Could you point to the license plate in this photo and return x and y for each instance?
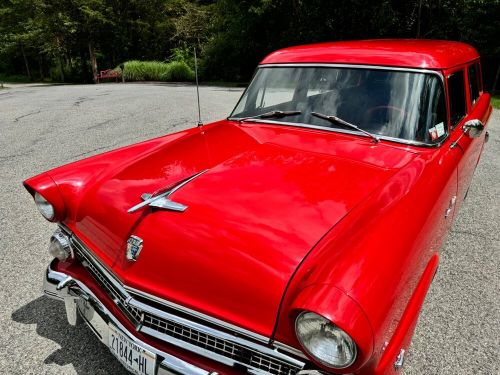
(134, 357)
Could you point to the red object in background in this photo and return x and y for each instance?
(286, 219)
(107, 74)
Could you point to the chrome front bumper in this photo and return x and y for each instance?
(82, 304)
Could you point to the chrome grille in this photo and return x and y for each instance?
(116, 295)
(172, 331)
(228, 349)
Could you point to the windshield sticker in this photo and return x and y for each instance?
(437, 131)
(440, 129)
(433, 133)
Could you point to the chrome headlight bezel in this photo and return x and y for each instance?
(60, 245)
(346, 338)
(44, 206)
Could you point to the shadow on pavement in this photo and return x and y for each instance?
(79, 346)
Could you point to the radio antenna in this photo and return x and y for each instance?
(197, 87)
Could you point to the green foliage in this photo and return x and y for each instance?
(54, 37)
(183, 54)
(495, 101)
(191, 21)
(63, 38)
(244, 32)
(157, 71)
(144, 70)
(177, 71)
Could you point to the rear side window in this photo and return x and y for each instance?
(473, 73)
(456, 89)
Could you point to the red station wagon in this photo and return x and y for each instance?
(298, 236)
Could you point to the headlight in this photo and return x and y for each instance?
(60, 247)
(45, 208)
(324, 341)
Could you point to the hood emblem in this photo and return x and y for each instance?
(134, 247)
(160, 198)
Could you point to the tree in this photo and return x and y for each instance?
(19, 34)
(71, 38)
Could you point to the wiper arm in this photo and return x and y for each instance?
(272, 114)
(337, 120)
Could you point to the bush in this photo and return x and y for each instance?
(495, 101)
(143, 70)
(157, 71)
(178, 71)
(185, 55)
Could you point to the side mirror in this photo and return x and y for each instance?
(473, 128)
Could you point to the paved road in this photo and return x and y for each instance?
(43, 127)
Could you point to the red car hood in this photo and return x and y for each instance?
(267, 198)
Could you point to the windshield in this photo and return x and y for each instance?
(406, 105)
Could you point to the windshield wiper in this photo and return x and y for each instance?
(337, 120)
(272, 114)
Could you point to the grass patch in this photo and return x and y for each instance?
(177, 71)
(495, 101)
(174, 71)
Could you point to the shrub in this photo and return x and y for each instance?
(178, 71)
(143, 70)
(185, 55)
(157, 71)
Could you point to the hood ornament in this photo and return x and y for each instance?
(160, 198)
(134, 247)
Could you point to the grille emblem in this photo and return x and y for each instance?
(134, 247)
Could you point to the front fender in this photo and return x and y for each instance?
(65, 186)
(402, 336)
(335, 305)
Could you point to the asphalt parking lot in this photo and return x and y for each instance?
(42, 127)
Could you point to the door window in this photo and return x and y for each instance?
(456, 90)
(473, 73)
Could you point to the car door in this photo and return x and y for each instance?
(466, 102)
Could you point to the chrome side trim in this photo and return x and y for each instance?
(281, 351)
